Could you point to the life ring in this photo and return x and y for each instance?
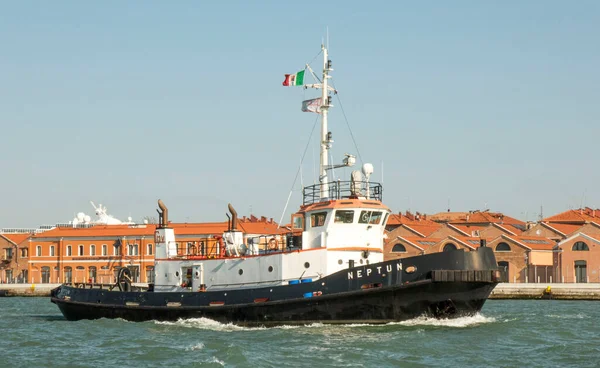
(273, 244)
(365, 217)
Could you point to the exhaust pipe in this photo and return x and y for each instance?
(233, 217)
(164, 215)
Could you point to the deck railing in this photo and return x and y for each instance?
(343, 190)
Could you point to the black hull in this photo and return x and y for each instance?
(460, 289)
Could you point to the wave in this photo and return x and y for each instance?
(568, 316)
(198, 346)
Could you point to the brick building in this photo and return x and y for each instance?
(15, 256)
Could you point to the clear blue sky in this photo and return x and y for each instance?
(479, 102)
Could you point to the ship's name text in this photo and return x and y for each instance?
(370, 270)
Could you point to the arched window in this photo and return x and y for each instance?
(92, 250)
(80, 253)
(132, 249)
(581, 271)
(149, 249)
(68, 275)
(398, 248)
(449, 247)
(52, 251)
(92, 273)
(104, 250)
(149, 274)
(117, 249)
(69, 250)
(38, 251)
(45, 275)
(502, 247)
(580, 246)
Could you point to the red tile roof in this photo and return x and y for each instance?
(533, 242)
(475, 217)
(424, 229)
(580, 215)
(566, 229)
(16, 238)
(409, 218)
(248, 226)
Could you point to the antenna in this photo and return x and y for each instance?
(327, 31)
(582, 200)
(448, 204)
(381, 172)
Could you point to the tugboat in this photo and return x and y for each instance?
(329, 267)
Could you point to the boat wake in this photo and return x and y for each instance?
(209, 324)
(461, 322)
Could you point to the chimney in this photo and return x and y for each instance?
(482, 243)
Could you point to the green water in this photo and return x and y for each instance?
(516, 333)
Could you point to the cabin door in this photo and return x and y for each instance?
(580, 271)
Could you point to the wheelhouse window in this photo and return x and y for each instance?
(69, 250)
(580, 246)
(344, 217)
(370, 217)
(298, 221)
(449, 247)
(502, 247)
(399, 248)
(318, 219)
(80, 250)
(387, 215)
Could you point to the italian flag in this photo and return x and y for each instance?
(294, 79)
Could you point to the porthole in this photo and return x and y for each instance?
(340, 261)
(360, 261)
(241, 271)
(176, 273)
(410, 269)
(306, 265)
(197, 274)
(270, 268)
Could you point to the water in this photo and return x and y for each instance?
(505, 334)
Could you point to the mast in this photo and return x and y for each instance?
(325, 135)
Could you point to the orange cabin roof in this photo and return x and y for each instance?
(344, 203)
